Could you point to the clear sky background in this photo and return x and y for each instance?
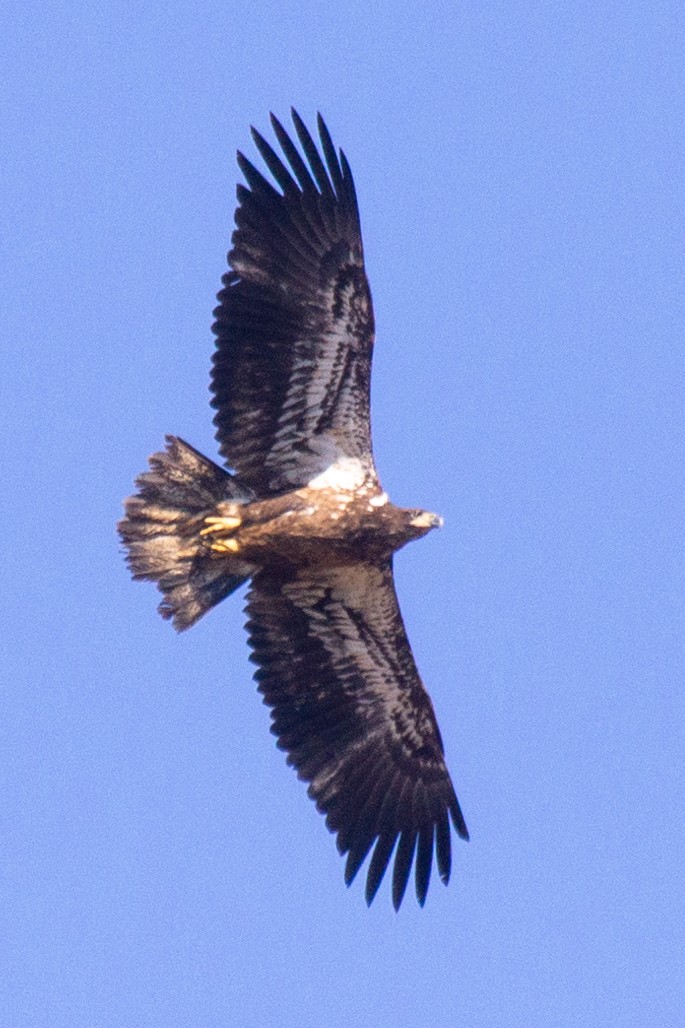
(520, 175)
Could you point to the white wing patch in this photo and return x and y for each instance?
(345, 474)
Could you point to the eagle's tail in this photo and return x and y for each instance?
(161, 531)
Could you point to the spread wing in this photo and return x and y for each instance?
(294, 326)
(350, 710)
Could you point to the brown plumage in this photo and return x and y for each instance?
(304, 517)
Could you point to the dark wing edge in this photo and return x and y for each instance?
(349, 709)
(294, 326)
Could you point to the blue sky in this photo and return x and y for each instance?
(520, 175)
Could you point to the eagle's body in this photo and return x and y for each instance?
(305, 519)
(318, 528)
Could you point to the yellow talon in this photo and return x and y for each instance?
(227, 524)
(225, 546)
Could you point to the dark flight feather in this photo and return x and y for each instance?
(350, 710)
(294, 325)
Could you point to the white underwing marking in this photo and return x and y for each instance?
(378, 501)
(346, 473)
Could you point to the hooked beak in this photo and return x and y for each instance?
(427, 520)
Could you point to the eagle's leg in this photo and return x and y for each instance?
(222, 527)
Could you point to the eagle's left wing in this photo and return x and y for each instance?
(350, 710)
(294, 324)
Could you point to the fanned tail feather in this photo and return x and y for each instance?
(161, 532)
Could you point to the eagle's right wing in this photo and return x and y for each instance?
(351, 712)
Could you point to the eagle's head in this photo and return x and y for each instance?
(424, 520)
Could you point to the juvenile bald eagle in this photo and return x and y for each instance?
(302, 515)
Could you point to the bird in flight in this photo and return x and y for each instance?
(302, 516)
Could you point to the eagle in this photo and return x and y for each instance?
(299, 512)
